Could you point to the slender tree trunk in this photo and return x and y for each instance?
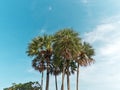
(68, 79)
(77, 81)
(42, 81)
(56, 82)
(47, 78)
(63, 75)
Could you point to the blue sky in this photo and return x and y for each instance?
(97, 21)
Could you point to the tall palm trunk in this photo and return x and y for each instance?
(47, 78)
(47, 81)
(42, 81)
(56, 82)
(68, 79)
(63, 75)
(77, 77)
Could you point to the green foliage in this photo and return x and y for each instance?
(61, 53)
(25, 86)
(67, 43)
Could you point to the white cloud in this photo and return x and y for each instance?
(109, 49)
(101, 32)
(106, 40)
(104, 74)
(107, 35)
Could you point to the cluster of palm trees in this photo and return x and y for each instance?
(60, 54)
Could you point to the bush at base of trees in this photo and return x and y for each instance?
(25, 86)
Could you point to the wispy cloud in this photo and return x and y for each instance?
(106, 40)
(107, 35)
(50, 8)
(32, 71)
(104, 74)
(42, 30)
(84, 1)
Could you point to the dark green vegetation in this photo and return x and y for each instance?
(60, 54)
(25, 86)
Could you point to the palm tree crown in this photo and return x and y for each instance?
(61, 53)
(41, 49)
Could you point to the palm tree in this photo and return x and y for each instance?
(66, 46)
(38, 64)
(84, 58)
(70, 69)
(34, 49)
(56, 68)
(41, 49)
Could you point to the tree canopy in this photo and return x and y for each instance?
(25, 86)
(60, 54)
